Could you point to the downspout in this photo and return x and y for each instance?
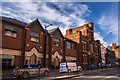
(23, 47)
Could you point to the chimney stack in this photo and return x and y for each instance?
(68, 31)
(114, 46)
(90, 25)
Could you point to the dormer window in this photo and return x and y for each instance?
(11, 31)
(34, 37)
(56, 42)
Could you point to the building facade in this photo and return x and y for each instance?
(109, 55)
(23, 43)
(89, 49)
(103, 54)
(116, 49)
(12, 44)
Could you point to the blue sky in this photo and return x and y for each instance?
(66, 15)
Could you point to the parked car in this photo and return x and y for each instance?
(117, 61)
(69, 67)
(29, 70)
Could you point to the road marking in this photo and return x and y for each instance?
(106, 77)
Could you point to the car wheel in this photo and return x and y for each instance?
(46, 73)
(25, 75)
(69, 71)
(80, 69)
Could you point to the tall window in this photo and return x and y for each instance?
(84, 47)
(34, 37)
(56, 42)
(92, 48)
(68, 45)
(6, 63)
(84, 59)
(75, 46)
(11, 31)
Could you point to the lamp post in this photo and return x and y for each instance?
(44, 55)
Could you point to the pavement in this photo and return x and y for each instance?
(76, 75)
(89, 72)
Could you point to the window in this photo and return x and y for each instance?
(75, 46)
(83, 32)
(73, 31)
(84, 47)
(68, 45)
(56, 42)
(6, 63)
(11, 31)
(92, 48)
(34, 37)
(84, 59)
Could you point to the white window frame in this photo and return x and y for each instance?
(68, 45)
(56, 42)
(11, 31)
(34, 37)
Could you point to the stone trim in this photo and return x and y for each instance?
(11, 52)
(56, 54)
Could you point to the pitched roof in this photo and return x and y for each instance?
(52, 31)
(13, 21)
(36, 21)
(32, 22)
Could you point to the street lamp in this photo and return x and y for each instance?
(44, 55)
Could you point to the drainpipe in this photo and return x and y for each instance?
(23, 47)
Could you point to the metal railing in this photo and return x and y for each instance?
(54, 73)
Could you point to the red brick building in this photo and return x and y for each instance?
(88, 49)
(23, 43)
(12, 41)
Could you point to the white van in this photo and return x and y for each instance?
(69, 67)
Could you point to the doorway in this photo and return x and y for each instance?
(33, 59)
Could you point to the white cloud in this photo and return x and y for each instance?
(67, 15)
(97, 36)
(109, 25)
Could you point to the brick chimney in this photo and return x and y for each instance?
(90, 25)
(68, 31)
(114, 46)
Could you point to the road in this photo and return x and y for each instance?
(107, 74)
(99, 75)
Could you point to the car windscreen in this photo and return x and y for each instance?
(34, 66)
(25, 66)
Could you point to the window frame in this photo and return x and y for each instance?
(34, 36)
(10, 31)
(54, 42)
(68, 45)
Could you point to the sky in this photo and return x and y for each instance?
(67, 15)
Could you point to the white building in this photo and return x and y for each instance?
(103, 54)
